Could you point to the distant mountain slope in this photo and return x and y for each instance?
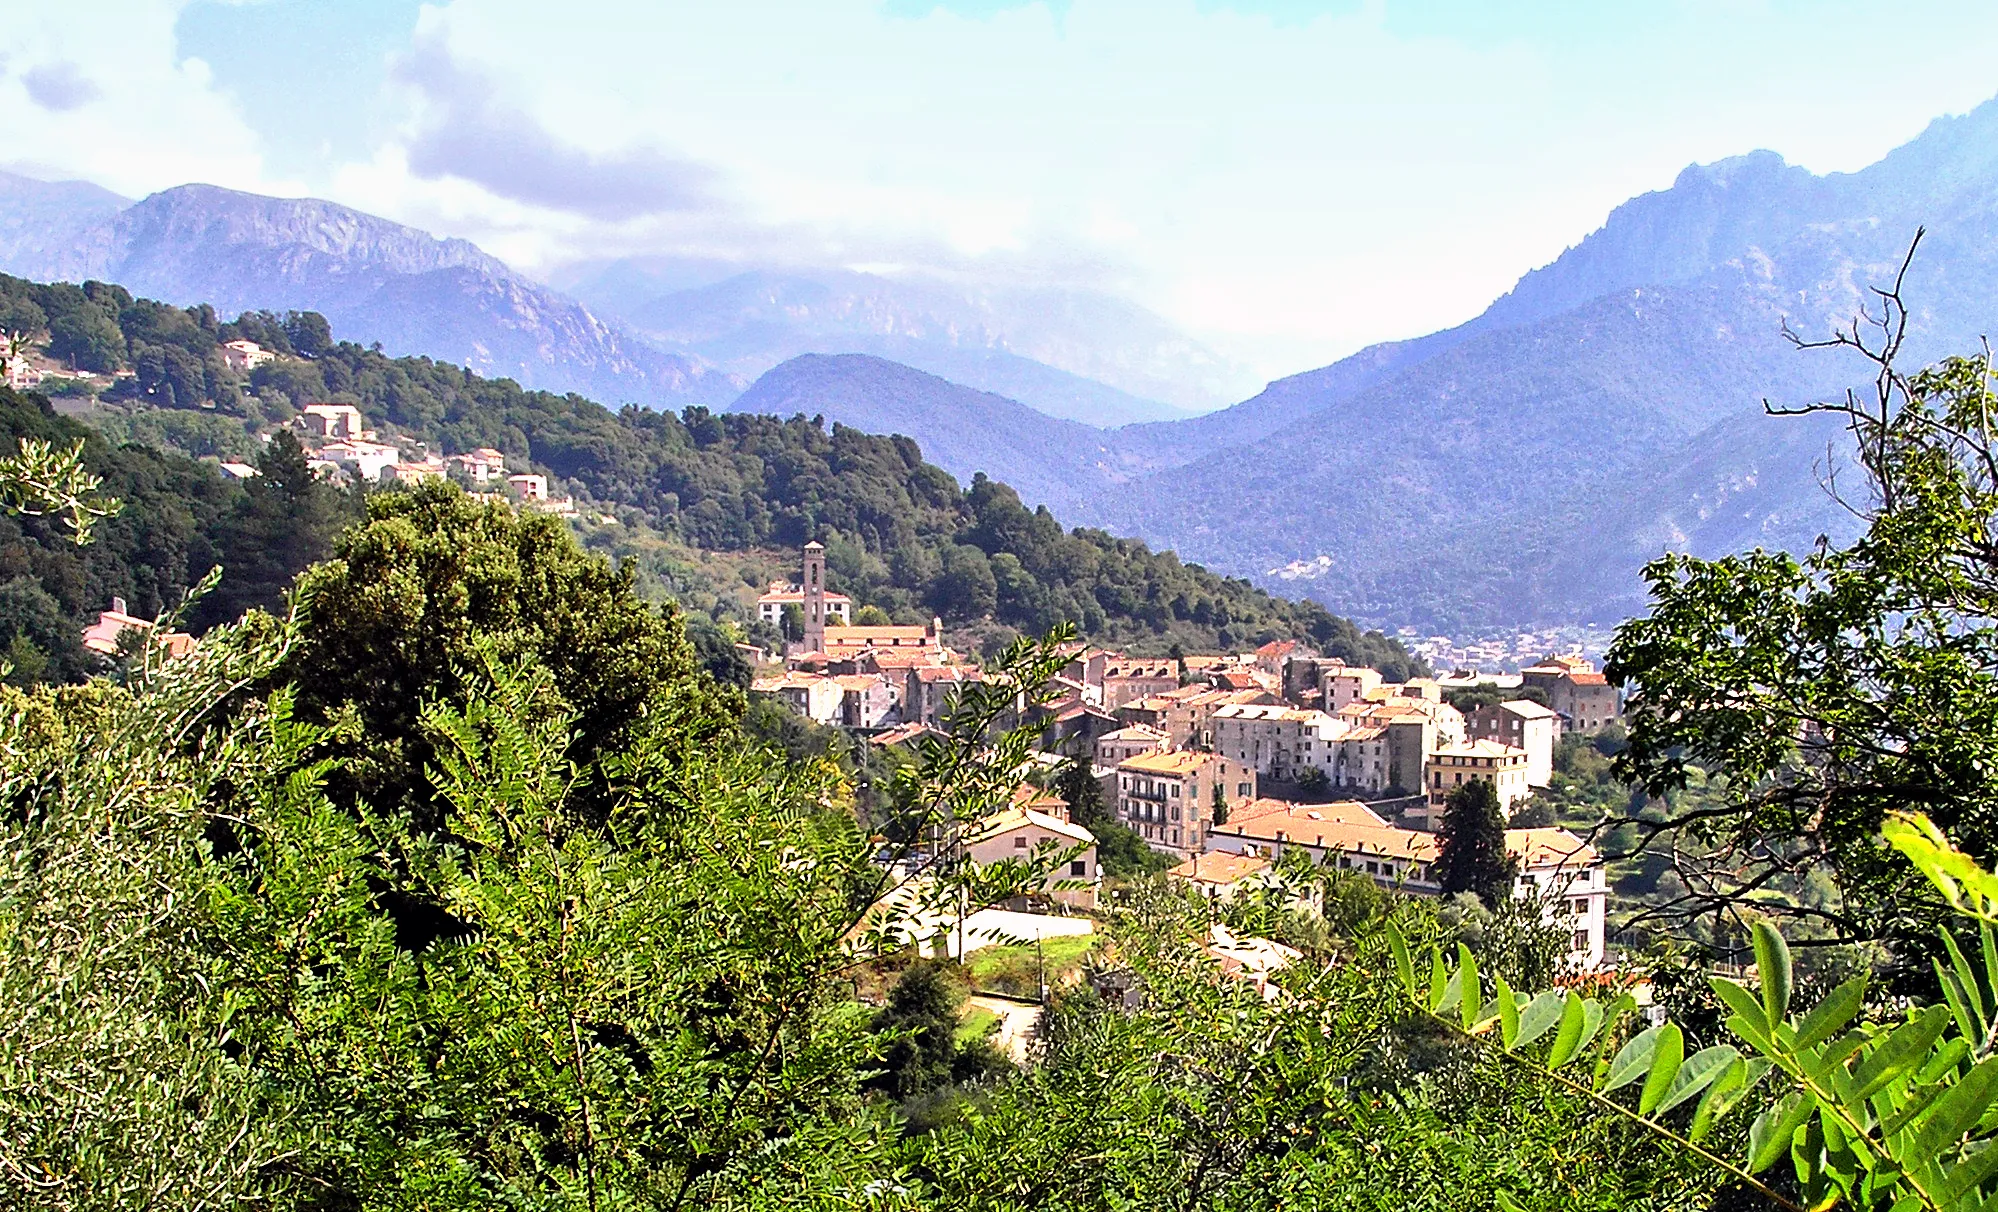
(963, 431)
(1521, 466)
(1073, 354)
(376, 280)
(44, 219)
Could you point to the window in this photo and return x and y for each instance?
(1373, 868)
(1243, 788)
(1020, 843)
(1174, 790)
(1175, 837)
(1579, 906)
(1581, 941)
(1175, 812)
(1078, 867)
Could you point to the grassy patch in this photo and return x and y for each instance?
(978, 1024)
(1016, 970)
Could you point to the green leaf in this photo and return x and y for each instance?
(1979, 1163)
(1404, 964)
(1568, 1040)
(1453, 993)
(1472, 992)
(1633, 1060)
(1720, 1095)
(1770, 1135)
(1439, 980)
(1700, 1070)
(1508, 1008)
(1772, 964)
(1741, 1001)
(1956, 1112)
(1541, 1013)
(1831, 1014)
(1900, 1054)
(1670, 1051)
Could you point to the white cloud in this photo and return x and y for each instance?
(1290, 189)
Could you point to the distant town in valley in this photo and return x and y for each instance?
(1224, 762)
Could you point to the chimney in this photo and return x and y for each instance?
(117, 605)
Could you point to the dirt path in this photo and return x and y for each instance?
(1016, 1023)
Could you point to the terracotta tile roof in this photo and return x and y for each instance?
(1588, 679)
(904, 734)
(1549, 847)
(1332, 831)
(1007, 819)
(1219, 869)
(1174, 762)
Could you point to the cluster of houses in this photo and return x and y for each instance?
(870, 678)
(339, 442)
(1185, 749)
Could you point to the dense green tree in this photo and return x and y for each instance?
(286, 519)
(87, 339)
(1470, 839)
(435, 584)
(921, 1018)
(1833, 688)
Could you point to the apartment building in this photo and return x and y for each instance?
(1168, 797)
(1574, 688)
(1522, 724)
(1451, 766)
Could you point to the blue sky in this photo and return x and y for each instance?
(1285, 180)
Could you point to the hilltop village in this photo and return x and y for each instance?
(1226, 762)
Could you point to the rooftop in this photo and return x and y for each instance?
(1481, 749)
(1550, 847)
(1219, 868)
(1176, 761)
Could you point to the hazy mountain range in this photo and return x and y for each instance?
(1517, 468)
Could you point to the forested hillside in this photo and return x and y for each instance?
(901, 534)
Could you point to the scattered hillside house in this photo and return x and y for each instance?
(770, 606)
(1343, 684)
(1221, 876)
(238, 471)
(1583, 696)
(528, 486)
(1451, 766)
(1523, 724)
(816, 698)
(1348, 835)
(1128, 742)
(106, 636)
(1071, 725)
(1255, 960)
(481, 466)
(1273, 657)
(1168, 797)
(364, 459)
(1186, 715)
(22, 374)
(1128, 679)
(1559, 870)
(906, 734)
(244, 356)
(1086, 666)
(332, 421)
(412, 474)
(1033, 821)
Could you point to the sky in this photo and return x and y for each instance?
(1285, 180)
